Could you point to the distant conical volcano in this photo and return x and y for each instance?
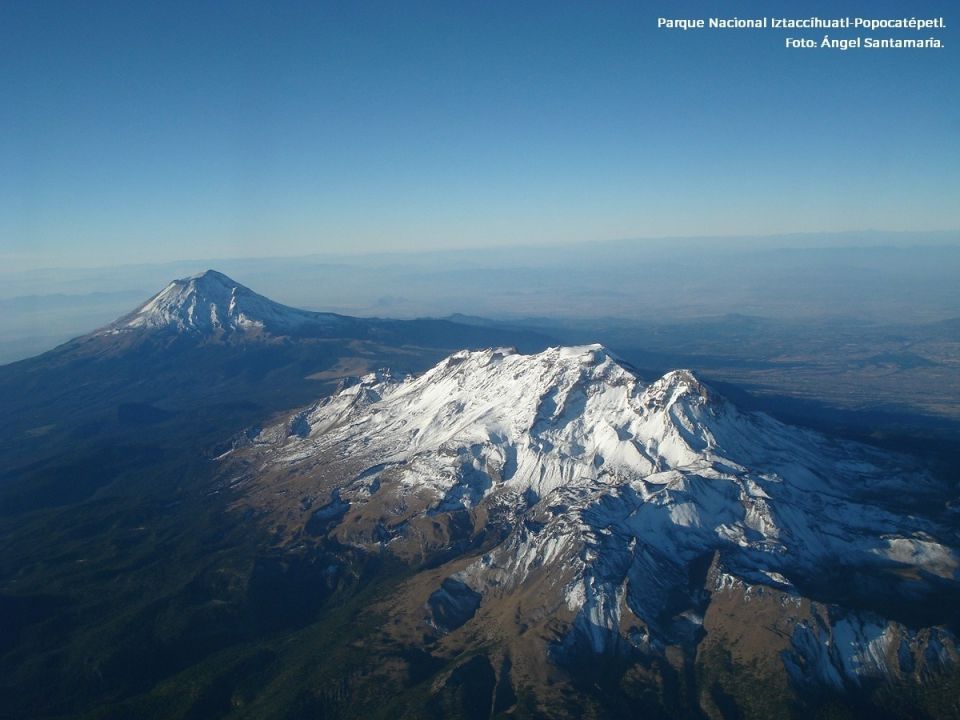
(211, 303)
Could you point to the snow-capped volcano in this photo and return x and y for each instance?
(211, 302)
(603, 492)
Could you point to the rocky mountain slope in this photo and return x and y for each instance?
(558, 509)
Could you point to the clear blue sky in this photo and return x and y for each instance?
(137, 131)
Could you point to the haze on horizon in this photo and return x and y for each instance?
(871, 278)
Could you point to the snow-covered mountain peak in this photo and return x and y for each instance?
(573, 422)
(507, 372)
(565, 417)
(680, 385)
(210, 278)
(603, 488)
(211, 303)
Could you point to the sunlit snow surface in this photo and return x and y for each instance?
(212, 302)
(624, 484)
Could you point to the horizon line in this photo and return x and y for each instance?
(409, 252)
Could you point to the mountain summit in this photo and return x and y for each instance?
(559, 488)
(211, 303)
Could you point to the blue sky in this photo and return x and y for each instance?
(158, 131)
